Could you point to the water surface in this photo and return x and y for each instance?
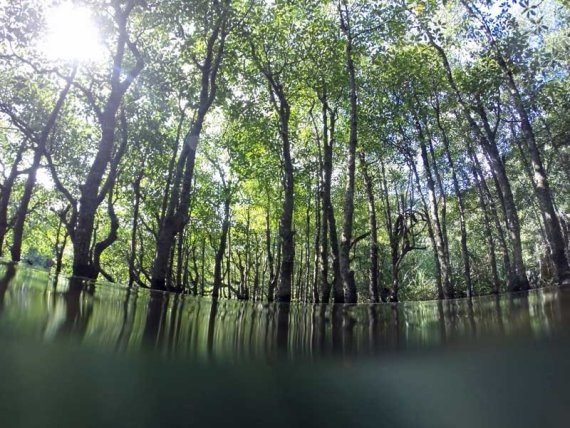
(76, 354)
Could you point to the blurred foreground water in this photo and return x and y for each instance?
(75, 354)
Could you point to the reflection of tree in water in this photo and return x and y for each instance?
(519, 313)
(78, 309)
(211, 328)
(175, 323)
(336, 317)
(155, 320)
(5, 281)
(163, 322)
(499, 313)
(394, 326)
(238, 330)
(283, 310)
(373, 328)
(471, 315)
(129, 311)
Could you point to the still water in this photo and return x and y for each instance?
(74, 354)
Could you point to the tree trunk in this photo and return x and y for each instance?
(441, 292)
(319, 261)
(41, 143)
(373, 273)
(133, 274)
(347, 274)
(539, 177)
(518, 279)
(329, 220)
(221, 248)
(92, 193)
(60, 244)
(22, 212)
(438, 236)
(488, 234)
(179, 199)
(395, 286)
(6, 193)
(270, 259)
(460, 204)
(286, 231)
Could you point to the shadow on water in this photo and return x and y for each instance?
(130, 320)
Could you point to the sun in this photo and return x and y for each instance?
(72, 34)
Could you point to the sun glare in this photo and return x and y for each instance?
(72, 34)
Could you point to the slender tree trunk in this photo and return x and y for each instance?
(318, 247)
(518, 279)
(270, 259)
(60, 244)
(307, 280)
(179, 261)
(441, 292)
(5, 195)
(438, 236)
(203, 267)
(442, 219)
(256, 272)
(395, 286)
(460, 204)
(373, 273)
(133, 274)
(179, 199)
(347, 274)
(322, 221)
(21, 214)
(41, 142)
(92, 193)
(539, 177)
(491, 206)
(488, 234)
(329, 220)
(286, 231)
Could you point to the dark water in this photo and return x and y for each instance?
(73, 354)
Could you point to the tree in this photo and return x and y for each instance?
(215, 29)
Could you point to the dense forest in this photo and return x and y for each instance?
(311, 150)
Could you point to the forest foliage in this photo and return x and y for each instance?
(313, 150)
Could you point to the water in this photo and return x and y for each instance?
(73, 354)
